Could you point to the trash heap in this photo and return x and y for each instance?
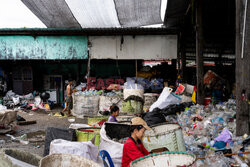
(12, 99)
(210, 130)
(31, 101)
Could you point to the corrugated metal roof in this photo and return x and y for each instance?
(88, 31)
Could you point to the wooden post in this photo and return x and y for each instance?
(78, 73)
(88, 67)
(183, 58)
(173, 61)
(242, 70)
(199, 53)
(179, 54)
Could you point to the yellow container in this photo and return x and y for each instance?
(95, 120)
(86, 134)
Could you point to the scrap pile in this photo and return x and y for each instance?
(12, 99)
(33, 101)
(208, 131)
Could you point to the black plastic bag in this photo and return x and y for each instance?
(117, 130)
(154, 117)
(175, 108)
(56, 133)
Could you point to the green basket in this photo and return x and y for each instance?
(87, 136)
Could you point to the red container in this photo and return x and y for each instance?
(207, 101)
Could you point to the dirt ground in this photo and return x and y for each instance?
(44, 120)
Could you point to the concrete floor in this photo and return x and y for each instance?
(44, 120)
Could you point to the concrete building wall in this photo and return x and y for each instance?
(137, 47)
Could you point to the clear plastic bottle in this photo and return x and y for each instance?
(2, 142)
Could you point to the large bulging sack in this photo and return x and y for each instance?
(85, 105)
(113, 148)
(166, 98)
(106, 102)
(84, 149)
(133, 89)
(132, 106)
(8, 121)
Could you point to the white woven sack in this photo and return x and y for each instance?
(84, 149)
(85, 106)
(113, 148)
(133, 89)
(106, 102)
(66, 160)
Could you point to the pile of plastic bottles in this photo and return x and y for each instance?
(93, 92)
(90, 92)
(210, 130)
(113, 93)
(209, 121)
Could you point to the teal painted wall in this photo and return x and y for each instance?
(43, 47)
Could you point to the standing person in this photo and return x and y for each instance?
(114, 113)
(65, 108)
(69, 99)
(133, 147)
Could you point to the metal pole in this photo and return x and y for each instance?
(244, 29)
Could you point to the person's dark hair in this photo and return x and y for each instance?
(113, 109)
(70, 79)
(133, 127)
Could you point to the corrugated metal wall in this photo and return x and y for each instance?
(43, 47)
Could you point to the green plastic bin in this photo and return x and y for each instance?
(86, 134)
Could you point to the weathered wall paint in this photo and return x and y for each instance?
(138, 47)
(43, 47)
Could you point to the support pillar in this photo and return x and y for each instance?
(199, 53)
(242, 68)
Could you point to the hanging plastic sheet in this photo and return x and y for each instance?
(54, 14)
(133, 13)
(97, 13)
(94, 13)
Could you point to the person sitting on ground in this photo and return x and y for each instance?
(133, 147)
(69, 99)
(114, 113)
